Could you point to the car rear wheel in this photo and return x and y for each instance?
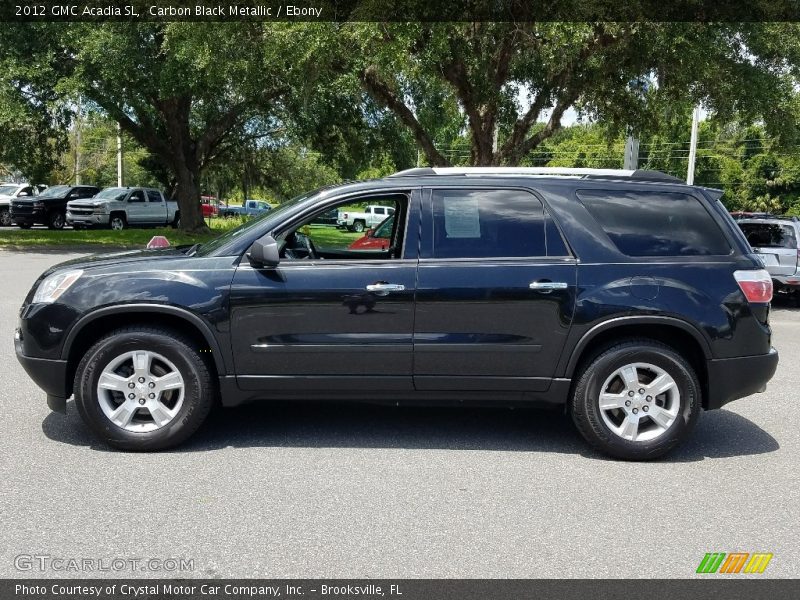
(358, 226)
(636, 400)
(143, 389)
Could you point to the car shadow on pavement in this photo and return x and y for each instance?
(719, 434)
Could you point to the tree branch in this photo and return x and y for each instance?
(382, 93)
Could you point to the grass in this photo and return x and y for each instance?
(15, 238)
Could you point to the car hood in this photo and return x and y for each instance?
(5, 197)
(97, 261)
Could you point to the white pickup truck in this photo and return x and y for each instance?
(119, 208)
(359, 221)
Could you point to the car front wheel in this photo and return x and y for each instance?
(143, 389)
(5, 217)
(636, 400)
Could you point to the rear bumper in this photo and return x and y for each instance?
(787, 280)
(48, 374)
(733, 378)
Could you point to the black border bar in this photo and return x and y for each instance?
(711, 587)
(400, 10)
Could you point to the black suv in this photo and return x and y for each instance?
(49, 207)
(627, 296)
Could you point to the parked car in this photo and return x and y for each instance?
(376, 239)
(627, 297)
(49, 207)
(327, 218)
(10, 192)
(777, 242)
(118, 208)
(250, 208)
(359, 221)
(209, 206)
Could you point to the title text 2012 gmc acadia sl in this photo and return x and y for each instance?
(627, 296)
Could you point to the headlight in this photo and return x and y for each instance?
(54, 285)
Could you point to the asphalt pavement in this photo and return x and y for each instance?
(283, 490)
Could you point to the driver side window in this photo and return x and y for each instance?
(350, 230)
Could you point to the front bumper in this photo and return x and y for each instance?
(88, 219)
(733, 378)
(37, 215)
(48, 374)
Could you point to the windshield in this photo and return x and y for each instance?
(384, 230)
(769, 235)
(114, 193)
(56, 190)
(7, 190)
(242, 231)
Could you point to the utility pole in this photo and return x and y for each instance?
(78, 119)
(693, 146)
(631, 158)
(119, 155)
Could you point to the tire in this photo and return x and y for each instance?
(117, 222)
(55, 220)
(661, 420)
(176, 223)
(177, 412)
(5, 217)
(24, 225)
(358, 226)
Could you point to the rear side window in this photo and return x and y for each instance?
(655, 223)
(487, 223)
(769, 235)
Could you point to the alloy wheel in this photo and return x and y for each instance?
(140, 391)
(639, 402)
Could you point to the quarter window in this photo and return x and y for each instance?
(655, 223)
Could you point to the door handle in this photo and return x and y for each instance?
(548, 286)
(385, 288)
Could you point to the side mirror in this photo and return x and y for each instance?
(264, 252)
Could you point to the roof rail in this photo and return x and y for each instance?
(741, 215)
(638, 174)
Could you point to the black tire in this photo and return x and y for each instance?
(24, 225)
(117, 221)
(176, 222)
(585, 404)
(56, 220)
(199, 387)
(358, 226)
(5, 217)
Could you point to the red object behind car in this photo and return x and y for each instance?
(208, 204)
(375, 239)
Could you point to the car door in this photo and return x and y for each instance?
(136, 208)
(340, 323)
(495, 292)
(156, 208)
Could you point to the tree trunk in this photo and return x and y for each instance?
(189, 198)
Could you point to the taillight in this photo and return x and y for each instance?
(345, 215)
(755, 285)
